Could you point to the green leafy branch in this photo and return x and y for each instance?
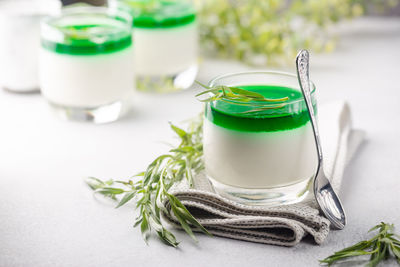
(378, 248)
(151, 190)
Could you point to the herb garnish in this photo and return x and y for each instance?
(182, 162)
(240, 97)
(378, 247)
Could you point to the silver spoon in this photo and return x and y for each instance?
(326, 197)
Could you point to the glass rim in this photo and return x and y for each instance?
(172, 15)
(57, 36)
(92, 10)
(212, 82)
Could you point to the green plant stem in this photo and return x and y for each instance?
(151, 190)
(379, 248)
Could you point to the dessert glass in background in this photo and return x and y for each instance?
(261, 157)
(20, 42)
(166, 43)
(86, 63)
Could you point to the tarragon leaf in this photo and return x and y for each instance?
(178, 130)
(126, 198)
(110, 190)
(94, 183)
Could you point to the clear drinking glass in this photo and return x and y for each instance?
(20, 42)
(165, 38)
(260, 152)
(86, 63)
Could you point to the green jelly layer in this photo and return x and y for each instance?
(160, 14)
(150, 22)
(90, 40)
(290, 116)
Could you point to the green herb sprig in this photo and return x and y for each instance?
(151, 190)
(380, 247)
(240, 97)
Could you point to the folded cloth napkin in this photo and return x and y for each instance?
(284, 225)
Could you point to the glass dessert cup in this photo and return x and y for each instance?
(260, 153)
(20, 42)
(165, 37)
(86, 63)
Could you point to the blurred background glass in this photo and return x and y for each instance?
(165, 37)
(19, 46)
(86, 63)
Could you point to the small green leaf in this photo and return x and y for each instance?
(144, 227)
(396, 251)
(202, 85)
(359, 246)
(374, 228)
(155, 223)
(167, 237)
(178, 130)
(178, 214)
(246, 93)
(109, 190)
(185, 149)
(213, 91)
(109, 182)
(128, 196)
(138, 221)
(94, 183)
(213, 98)
(395, 241)
(187, 215)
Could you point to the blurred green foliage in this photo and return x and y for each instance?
(270, 32)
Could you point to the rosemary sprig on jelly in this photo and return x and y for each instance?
(243, 97)
(379, 248)
(151, 189)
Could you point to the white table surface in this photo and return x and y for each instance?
(48, 217)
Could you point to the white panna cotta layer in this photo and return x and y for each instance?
(86, 80)
(165, 51)
(259, 160)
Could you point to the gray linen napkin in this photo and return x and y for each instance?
(284, 225)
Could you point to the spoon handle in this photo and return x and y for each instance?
(302, 61)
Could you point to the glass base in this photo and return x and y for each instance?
(102, 114)
(167, 83)
(16, 90)
(264, 197)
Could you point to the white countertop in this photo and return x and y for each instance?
(48, 217)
